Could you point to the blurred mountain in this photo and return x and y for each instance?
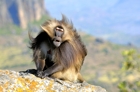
(20, 12)
(114, 20)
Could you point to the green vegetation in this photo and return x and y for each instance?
(131, 71)
(13, 57)
(10, 29)
(42, 20)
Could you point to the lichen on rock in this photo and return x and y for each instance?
(12, 81)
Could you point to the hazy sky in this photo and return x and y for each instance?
(55, 7)
(117, 20)
(98, 11)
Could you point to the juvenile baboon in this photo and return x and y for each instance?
(58, 51)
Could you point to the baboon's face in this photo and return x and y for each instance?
(58, 33)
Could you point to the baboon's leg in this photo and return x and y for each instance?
(80, 78)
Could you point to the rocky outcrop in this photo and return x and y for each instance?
(11, 81)
(20, 12)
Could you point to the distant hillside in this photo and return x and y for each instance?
(20, 12)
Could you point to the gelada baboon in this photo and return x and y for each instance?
(58, 51)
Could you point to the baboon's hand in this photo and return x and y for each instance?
(44, 75)
(39, 73)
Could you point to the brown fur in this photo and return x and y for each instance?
(65, 61)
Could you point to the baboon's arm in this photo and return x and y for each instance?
(53, 69)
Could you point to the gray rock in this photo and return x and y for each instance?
(11, 81)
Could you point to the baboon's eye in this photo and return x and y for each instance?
(59, 28)
(58, 31)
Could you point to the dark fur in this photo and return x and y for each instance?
(34, 45)
(70, 54)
